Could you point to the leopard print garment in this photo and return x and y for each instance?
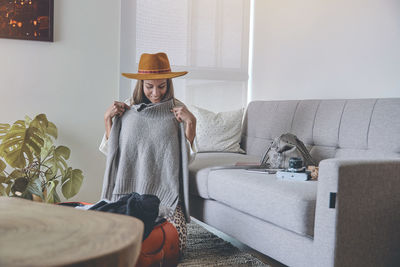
(178, 220)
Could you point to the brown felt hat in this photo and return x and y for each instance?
(154, 67)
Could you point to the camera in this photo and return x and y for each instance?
(295, 172)
(296, 165)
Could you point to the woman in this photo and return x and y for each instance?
(143, 148)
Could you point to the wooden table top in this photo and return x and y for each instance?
(40, 234)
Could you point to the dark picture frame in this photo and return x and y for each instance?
(27, 19)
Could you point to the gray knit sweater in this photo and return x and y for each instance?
(147, 154)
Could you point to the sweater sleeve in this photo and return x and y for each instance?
(104, 145)
(104, 142)
(111, 167)
(192, 149)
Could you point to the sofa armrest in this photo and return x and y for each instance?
(362, 226)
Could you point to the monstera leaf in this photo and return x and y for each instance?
(25, 139)
(2, 167)
(3, 178)
(15, 174)
(2, 188)
(52, 196)
(57, 161)
(71, 182)
(47, 149)
(20, 142)
(40, 122)
(3, 129)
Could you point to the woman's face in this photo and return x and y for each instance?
(155, 90)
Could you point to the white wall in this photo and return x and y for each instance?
(72, 80)
(127, 48)
(326, 49)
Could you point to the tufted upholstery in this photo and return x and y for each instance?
(329, 128)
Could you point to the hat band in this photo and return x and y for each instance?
(154, 71)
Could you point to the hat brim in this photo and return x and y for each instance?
(154, 76)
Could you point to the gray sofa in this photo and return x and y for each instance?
(349, 217)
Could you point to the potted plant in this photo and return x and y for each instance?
(31, 166)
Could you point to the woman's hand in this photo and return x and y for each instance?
(116, 109)
(182, 114)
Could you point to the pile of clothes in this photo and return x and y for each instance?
(144, 207)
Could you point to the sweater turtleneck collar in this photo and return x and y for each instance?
(162, 108)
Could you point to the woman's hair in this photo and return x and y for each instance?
(139, 96)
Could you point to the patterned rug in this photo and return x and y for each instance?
(206, 249)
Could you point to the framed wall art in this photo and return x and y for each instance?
(27, 19)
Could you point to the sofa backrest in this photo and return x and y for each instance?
(330, 128)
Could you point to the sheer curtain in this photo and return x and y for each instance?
(208, 38)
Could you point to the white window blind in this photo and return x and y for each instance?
(161, 25)
(208, 38)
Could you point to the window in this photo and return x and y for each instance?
(208, 38)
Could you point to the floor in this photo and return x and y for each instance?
(240, 245)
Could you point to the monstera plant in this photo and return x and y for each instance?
(31, 166)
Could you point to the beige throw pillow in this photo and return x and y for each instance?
(218, 131)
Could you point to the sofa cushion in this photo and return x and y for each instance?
(200, 167)
(288, 204)
(218, 131)
(385, 126)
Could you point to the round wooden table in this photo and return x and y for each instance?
(40, 234)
